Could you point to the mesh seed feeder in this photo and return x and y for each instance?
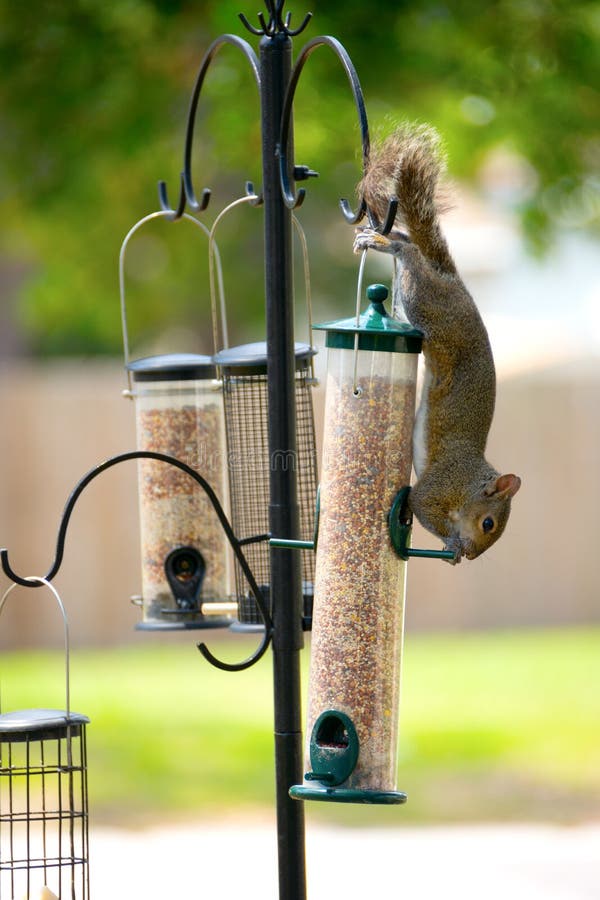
(44, 800)
(185, 554)
(243, 370)
(360, 582)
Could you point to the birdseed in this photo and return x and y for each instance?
(174, 510)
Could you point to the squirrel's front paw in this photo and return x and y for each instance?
(369, 239)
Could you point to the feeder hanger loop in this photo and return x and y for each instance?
(235, 545)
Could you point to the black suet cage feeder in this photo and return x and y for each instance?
(44, 798)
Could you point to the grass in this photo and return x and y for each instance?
(495, 726)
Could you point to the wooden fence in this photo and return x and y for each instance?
(60, 420)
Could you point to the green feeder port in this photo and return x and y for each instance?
(400, 522)
(334, 753)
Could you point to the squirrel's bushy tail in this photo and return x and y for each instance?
(408, 165)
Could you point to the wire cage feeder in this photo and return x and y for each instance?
(44, 800)
(244, 374)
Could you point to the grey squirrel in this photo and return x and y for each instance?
(458, 495)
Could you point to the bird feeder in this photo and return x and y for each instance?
(358, 615)
(244, 373)
(44, 801)
(43, 805)
(185, 560)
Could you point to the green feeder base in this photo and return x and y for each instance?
(334, 751)
(345, 795)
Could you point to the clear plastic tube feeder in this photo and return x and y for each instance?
(185, 555)
(360, 581)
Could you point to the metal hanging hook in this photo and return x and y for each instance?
(294, 199)
(276, 23)
(186, 188)
(164, 199)
(225, 524)
(293, 32)
(259, 32)
(386, 225)
(291, 198)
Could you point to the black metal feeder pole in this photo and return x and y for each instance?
(286, 592)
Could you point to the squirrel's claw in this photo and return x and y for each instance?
(457, 556)
(454, 545)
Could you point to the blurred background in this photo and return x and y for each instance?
(501, 712)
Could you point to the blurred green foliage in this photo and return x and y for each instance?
(93, 103)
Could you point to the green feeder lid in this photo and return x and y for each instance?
(376, 329)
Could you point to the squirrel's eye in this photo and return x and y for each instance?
(488, 525)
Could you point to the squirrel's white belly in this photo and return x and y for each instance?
(420, 428)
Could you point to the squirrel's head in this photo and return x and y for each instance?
(481, 520)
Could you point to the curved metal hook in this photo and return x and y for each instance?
(266, 29)
(293, 199)
(383, 227)
(354, 217)
(295, 31)
(275, 8)
(235, 545)
(290, 197)
(387, 224)
(163, 199)
(25, 582)
(259, 32)
(276, 24)
(250, 192)
(216, 45)
(285, 26)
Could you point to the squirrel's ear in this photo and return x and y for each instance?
(504, 486)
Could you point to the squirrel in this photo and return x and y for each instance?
(458, 495)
